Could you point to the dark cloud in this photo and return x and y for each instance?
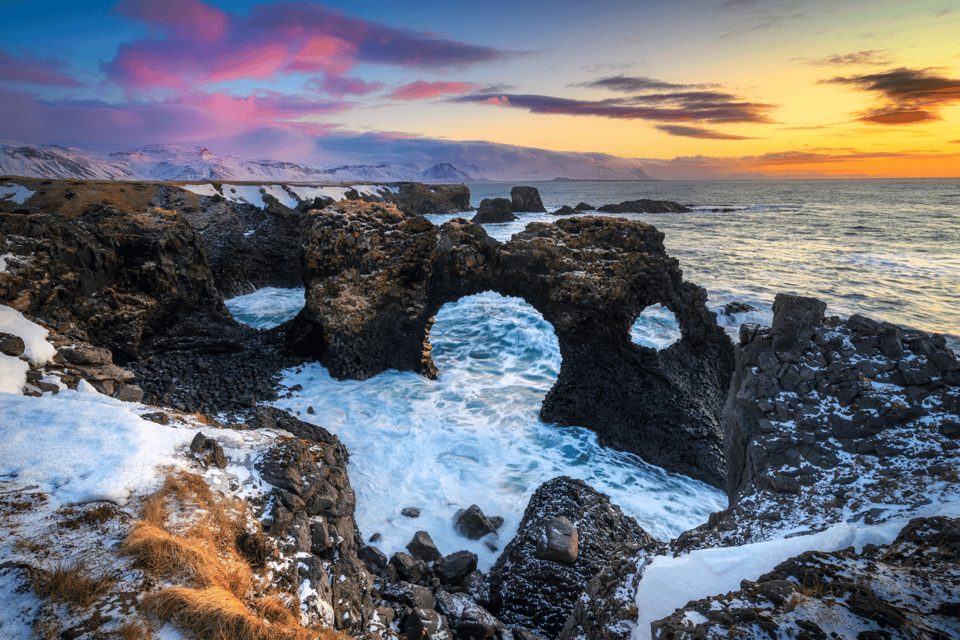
(907, 96)
(697, 132)
(714, 107)
(33, 70)
(871, 56)
(339, 86)
(809, 157)
(628, 84)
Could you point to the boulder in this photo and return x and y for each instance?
(559, 541)
(475, 584)
(409, 568)
(473, 524)
(409, 595)
(11, 345)
(426, 624)
(526, 199)
(494, 210)
(422, 547)
(454, 568)
(565, 210)
(583, 206)
(371, 300)
(476, 623)
(520, 571)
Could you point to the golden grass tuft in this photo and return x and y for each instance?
(71, 583)
(216, 614)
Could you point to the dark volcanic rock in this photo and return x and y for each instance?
(376, 278)
(644, 206)
(520, 572)
(565, 211)
(11, 345)
(526, 199)
(454, 568)
(422, 547)
(494, 210)
(583, 206)
(473, 524)
(421, 199)
(109, 262)
(905, 590)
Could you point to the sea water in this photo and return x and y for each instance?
(887, 249)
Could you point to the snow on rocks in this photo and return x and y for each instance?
(15, 193)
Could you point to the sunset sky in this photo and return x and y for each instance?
(698, 89)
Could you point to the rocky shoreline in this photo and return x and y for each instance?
(812, 424)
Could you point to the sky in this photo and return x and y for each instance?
(695, 89)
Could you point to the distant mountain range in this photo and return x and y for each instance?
(173, 162)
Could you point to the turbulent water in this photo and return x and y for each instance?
(887, 249)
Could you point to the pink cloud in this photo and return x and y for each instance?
(497, 101)
(33, 70)
(203, 44)
(339, 86)
(422, 89)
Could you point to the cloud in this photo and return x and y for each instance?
(339, 86)
(203, 44)
(942, 13)
(907, 96)
(187, 118)
(737, 4)
(871, 56)
(421, 89)
(33, 70)
(628, 84)
(697, 132)
(687, 106)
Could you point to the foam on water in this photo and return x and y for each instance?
(267, 307)
(474, 434)
(656, 327)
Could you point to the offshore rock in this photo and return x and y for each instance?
(644, 206)
(526, 199)
(419, 199)
(521, 571)
(376, 278)
(493, 211)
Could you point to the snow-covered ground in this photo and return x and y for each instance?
(288, 196)
(15, 192)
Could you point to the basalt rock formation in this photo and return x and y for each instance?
(644, 206)
(494, 210)
(531, 565)
(526, 199)
(106, 261)
(376, 278)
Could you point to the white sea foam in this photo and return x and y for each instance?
(267, 307)
(474, 435)
(656, 327)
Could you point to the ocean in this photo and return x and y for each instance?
(888, 249)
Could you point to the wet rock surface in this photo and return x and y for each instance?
(376, 278)
(644, 206)
(494, 210)
(903, 590)
(520, 571)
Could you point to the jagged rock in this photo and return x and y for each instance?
(374, 559)
(475, 584)
(565, 210)
(426, 624)
(526, 199)
(371, 300)
(454, 568)
(408, 567)
(519, 572)
(559, 541)
(583, 206)
(124, 271)
(473, 524)
(129, 393)
(422, 199)
(841, 594)
(85, 354)
(476, 623)
(410, 595)
(795, 319)
(644, 206)
(732, 308)
(452, 605)
(494, 210)
(422, 547)
(11, 345)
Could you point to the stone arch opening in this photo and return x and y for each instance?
(266, 308)
(656, 327)
(492, 339)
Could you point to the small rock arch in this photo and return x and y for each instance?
(376, 277)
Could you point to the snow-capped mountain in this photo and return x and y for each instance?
(173, 162)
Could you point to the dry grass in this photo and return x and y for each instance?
(71, 583)
(130, 631)
(190, 536)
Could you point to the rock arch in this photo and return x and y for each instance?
(375, 278)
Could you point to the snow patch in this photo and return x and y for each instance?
(3, 261)
(201, 189)
(13, 374)
(79, 447)
(282, 196)
(38, 351)
(15, 192)
(240, 193)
